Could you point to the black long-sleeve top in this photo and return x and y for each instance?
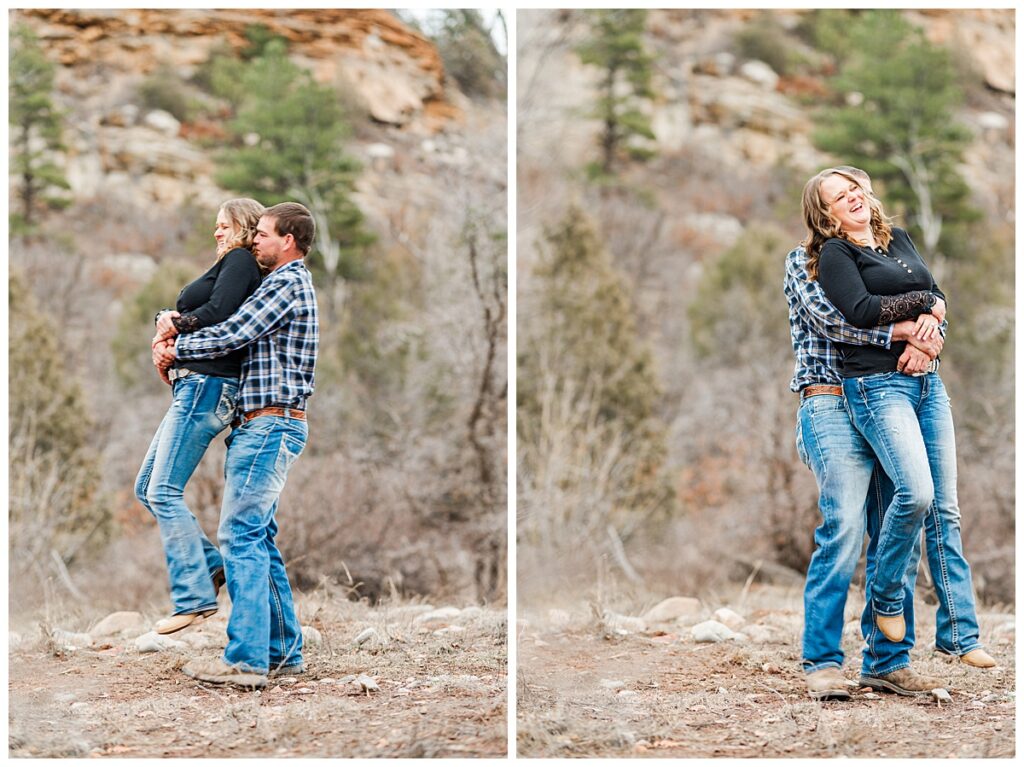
(872, 287)
(214, 297)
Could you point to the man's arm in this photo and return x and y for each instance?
(265, 311)
(824, 316)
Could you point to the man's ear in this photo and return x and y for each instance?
(289, 238)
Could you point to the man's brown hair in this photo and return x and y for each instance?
(296, 220)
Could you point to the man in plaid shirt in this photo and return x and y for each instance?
(278, 324)
(848, 477)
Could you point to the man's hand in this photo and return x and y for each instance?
(939, 310)
(163, 355)
(912, 361)
(932, 347)
(165, 327)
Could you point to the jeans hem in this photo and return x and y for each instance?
(961, 652)
(810, 669)
(897, 667)
(194, 610)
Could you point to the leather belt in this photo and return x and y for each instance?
(811, 391)
(282, 412)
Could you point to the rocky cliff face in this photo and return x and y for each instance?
(117, 148)
(739, 111)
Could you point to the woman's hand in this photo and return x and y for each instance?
(926, 327)
(165, 326)
(939, 309)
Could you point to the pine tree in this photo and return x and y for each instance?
(289, 135)
(616, 46)
(897, 122)
(35, 130)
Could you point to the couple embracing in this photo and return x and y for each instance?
(238, 352)
(867, 322)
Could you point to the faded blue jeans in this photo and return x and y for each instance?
(202, 408)
(263, 631)
(848, 477)
(908, 423)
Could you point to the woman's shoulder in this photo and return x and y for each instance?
(240, 258)
(838, 245)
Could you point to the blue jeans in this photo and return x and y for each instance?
(847, 474)
(202, 408)
(909, 424)
(263, 631)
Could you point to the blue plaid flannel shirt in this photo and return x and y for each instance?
(279, 324)
(814, 322)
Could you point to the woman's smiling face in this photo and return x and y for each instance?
(846, 201)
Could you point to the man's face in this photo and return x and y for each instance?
(268, 245)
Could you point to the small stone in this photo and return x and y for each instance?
(612, 684)
(628, 694)
(365, 636)
(69, 640)
(449, 630)
(366, 683)
(942, 695)
(759, 73)
(626, 623)
(304, 691)
(328, 680)
(311, 637)
(672, 609)
(162, 121)
(153, 642)
(442, 614)
(729, 618)
(380, 151)
(119, 623)
(79, 706)
(872, 696)
(712, 631)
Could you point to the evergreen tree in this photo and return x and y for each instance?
(35, 130)
(897, 122)
(616, 46)
(289, 135)
(586, 336)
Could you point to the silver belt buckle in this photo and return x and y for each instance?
(175, 373)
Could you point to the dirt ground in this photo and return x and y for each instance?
(442, 693)
(584, 691)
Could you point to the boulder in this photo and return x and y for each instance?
(712, 631)
(162, 121)
(760, 74)
(673, 608)
(729, 618)
(119, 623)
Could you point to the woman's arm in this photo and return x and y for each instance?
(844, 286)
(239, 275)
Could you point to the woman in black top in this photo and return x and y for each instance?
(204, 395)
(874, 275)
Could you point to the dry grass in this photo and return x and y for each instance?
(441, 695)
(682, 699)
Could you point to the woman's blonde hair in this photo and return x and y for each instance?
(822, 225)
(243, 215)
